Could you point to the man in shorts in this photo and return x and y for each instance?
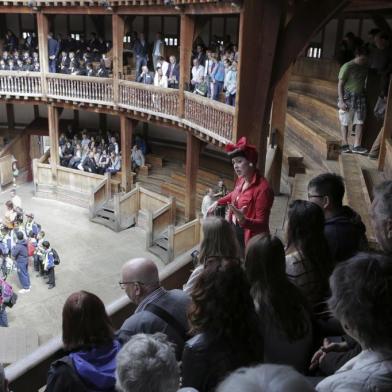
(352, 99)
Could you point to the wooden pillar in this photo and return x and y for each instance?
(103, 121)
(260, 22)
(186, 42)
(193, 146)
(10, 116)
(387, 134)
(118, 45)
(75, 122)
(127, 126)
(278, 124)
(53, 122)
(43, 30)
(36, 111)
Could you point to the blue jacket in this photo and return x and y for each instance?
(19, 252)
(176, 71)
(85, 370)
(53, 47)
(218, 74)
(49, 259)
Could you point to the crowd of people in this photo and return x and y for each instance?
(97, 153)
(310, 313)
(213, 69)
(19, 55)
(23, 243)
(358, 62)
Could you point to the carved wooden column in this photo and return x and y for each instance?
(10, 116)
(43, 30)
(193, 146)
(127, 125)
(186, 42)
(53, 121)
(260, 22)
(278, 125)
(118, 45)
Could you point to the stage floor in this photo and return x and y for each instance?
(91, 259)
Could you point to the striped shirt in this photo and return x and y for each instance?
(152, 297)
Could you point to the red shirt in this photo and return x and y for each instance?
(257, 200)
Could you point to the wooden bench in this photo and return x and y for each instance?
(154, 160)
(143, 170)
(309, 138)
(357, 195)
(315, 109)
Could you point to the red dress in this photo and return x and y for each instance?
(257, 198)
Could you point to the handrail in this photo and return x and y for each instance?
(157, 196)
(28, 84)
(160, 211)
(100, 195)
(89, 3)
(30, 372)
(213, 119)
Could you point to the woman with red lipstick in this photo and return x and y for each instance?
(251, 200)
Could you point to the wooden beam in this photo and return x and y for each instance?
(260, 22)
(103, 121)
(10, 116)
(75, 122)
(278, 125)
(118, 46)
(42, 31)
(387, 134)
(127, 127)
(53, 123)
(186, 42)
(193, 146)
(36, 111)
(308, 18)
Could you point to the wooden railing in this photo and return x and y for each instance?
(148, 99)
(210, 117)
(80, 89)
(126, 208)
(17, 83)
(99, 196)
(30, 373)
(183, 238)
(90, 3)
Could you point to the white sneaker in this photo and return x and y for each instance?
(23, 291)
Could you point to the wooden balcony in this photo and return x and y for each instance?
(209, 120)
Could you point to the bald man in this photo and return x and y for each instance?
(158, 310)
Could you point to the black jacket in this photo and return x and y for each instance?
(346, 234)
(207, 361)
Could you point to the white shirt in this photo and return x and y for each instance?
(206, 204)
(157, 47)
(369, 371)
(17, 201)
(197, 73)
(160, 82)
(164, 65)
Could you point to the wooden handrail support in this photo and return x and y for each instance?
(183, 238)
(45, 157)
(30, 372)
(123, 214)
(99, 195)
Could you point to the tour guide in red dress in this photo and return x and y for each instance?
(251, 200)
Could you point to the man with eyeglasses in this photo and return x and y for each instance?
(158, 310)
(344, 229)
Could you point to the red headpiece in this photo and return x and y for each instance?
(242, 148)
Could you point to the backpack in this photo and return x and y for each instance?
(7, 294)
(30, 248)
(56, 257)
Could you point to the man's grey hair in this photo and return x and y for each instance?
(383, 194)
(147, 363)
(265, 378)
